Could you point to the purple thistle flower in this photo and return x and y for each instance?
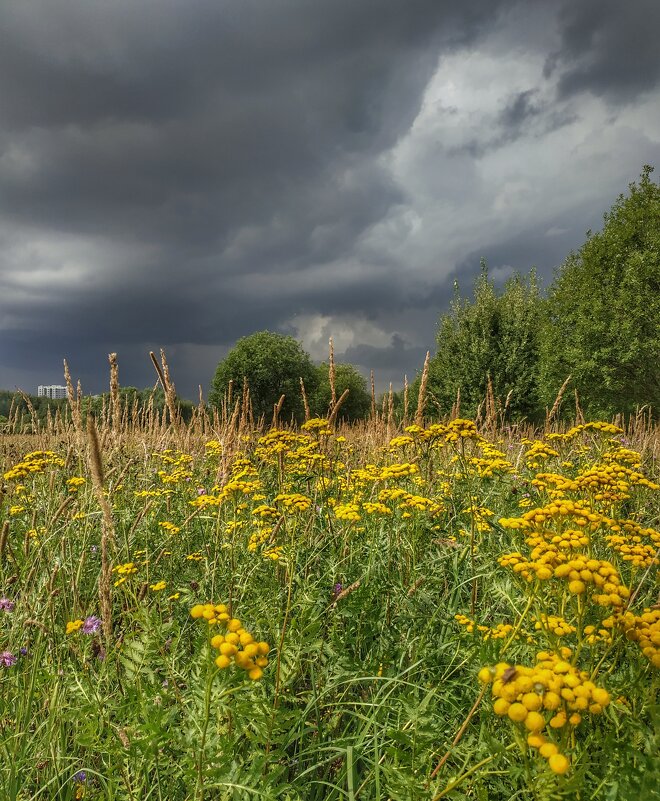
(91, 625)
(7, 659)
(6, 605)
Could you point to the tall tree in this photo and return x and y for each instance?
(492, 335)
(604, 310)
(273, 365)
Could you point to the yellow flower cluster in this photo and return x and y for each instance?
(547, 562)
(480, 514)
(376, 508)
(451, 432)
(487, 466)
(582, 515)
(365, 475)
(628, 540)
(620, 454)
(537, 451)
(400, 442)
(124, 571)
(293, 502)
(406, 501)
(266, 512)
(499, 632)
(34, 462)
(599, 426)
(643, 629)
(231, 489)
(213, 448)
(318, 424)
(178, 462)
(461, 429)
(155, 493)
(551, 695)
(394, 471)
(262, 536)
(169, 527)
(178, 474)
(74, 483)
(554, 624)
(258, 538)
(347, 511)
(73, 626)
(237, 645)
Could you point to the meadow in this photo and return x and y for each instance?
(410, 610)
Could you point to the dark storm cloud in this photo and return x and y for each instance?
(609, 48)
(183, 174)
(520, 108)
(397, 356)
(524, 114)
(229, 139)
(148, 120)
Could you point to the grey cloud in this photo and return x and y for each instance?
(523, 115)
(184, 174)
(392, 361)
(520, 108)
(609, 48)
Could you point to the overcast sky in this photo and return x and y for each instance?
(180, 174)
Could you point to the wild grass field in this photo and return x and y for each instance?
(222, 611)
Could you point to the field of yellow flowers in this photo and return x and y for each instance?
(322, 613)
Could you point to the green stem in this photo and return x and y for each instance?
(454, 784)
(516, 628)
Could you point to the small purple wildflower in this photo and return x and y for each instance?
(337, 589)
(23, 651)
(7, 659)
(201, 491)
(80, 777)
(91, 625)
(6, 605)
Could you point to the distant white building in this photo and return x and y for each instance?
(54, 391)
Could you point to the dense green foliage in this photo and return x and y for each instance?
(272, 365)
(384, 577)
(598, 325)
(604, 310)
(358, 401)
(14, 403)
(495, 335)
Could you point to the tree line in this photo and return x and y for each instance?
(596, 333)
(14, 405)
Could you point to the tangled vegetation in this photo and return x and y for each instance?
(369, 612)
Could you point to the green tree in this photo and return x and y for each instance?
(493, 334)
(357, 403)
(273, 365)
(604, 310)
